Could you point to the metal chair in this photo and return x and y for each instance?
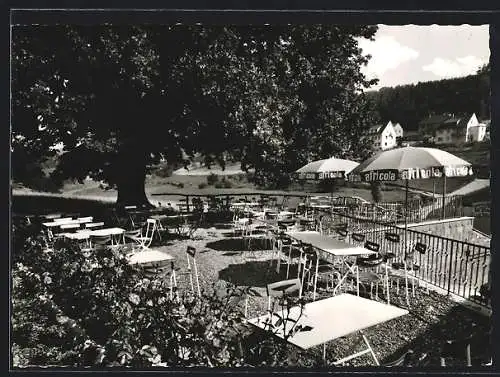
(370, 269)
(342, 232)
(460, 347)
(163, 272)
(409, 267)
(402, 361)
(191, 268)
(99, 242)
(358, 239)
(143, 237)
(309, 260)
(407, 359)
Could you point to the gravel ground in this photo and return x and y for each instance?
(433, 317)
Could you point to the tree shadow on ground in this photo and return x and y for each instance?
(231, 244)
(251, 273)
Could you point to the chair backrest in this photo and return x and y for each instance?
(190, 256)
(280, 289)
(373, 246)
(392, 237)
(420, 247)
(283, 287)
(151, 225)
(358, 237)
(191, 251)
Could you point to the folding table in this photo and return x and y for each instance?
(53, 224)
(325, 320)
(94, 225)
(113, 232)
(331, 247)
(149, 257)
(88, 233)
(51, 216)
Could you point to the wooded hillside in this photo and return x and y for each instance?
(408, 104)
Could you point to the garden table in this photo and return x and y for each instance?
(113, 232)
(149, 257)
(52, 216)
(94, 225)
(54, 224)
(325, 320)
(331, 247)
(86, 234)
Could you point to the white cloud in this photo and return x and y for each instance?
(386, 54)
(453, 68)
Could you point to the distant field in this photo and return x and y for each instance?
(178, 185)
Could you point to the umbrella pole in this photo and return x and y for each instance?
(444, 195)
(406, 213)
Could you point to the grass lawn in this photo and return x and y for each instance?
(178, 185)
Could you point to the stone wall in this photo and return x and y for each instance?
(457, 228)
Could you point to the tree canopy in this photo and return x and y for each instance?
(120, 98)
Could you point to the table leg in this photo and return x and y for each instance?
(387, 285)
(370, 348)
(316, 278)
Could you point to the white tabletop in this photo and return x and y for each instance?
(329, 244)
(149, 256)
(94, 225)
(333, 318)
(243, 204)
(83, 235)
(86, 233)
(107, 232)
(59, 223)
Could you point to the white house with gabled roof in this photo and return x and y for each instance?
(386, 136)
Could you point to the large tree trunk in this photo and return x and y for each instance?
(131, 178)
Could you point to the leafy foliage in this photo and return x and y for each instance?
(123, 98)
(93, 309)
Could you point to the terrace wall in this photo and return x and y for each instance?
(457, 229)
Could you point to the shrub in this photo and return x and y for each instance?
(376, 190)
(164, 171)
(77, 308)
(202, 185)
(212, 178)
(219, 185)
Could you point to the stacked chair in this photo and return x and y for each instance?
(409, 267)
(308, 273)
(371, 269)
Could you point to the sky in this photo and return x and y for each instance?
(412, 53)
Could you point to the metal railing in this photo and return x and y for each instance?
(418, 210)
(460, 268)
